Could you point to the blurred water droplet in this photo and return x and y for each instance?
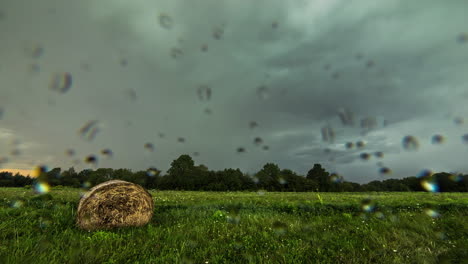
(89, 130)
(437, 139)
(176, 52)
(263, 92)
(360, 144)
(346, 117)
(132, 94)
(379, 215)
(432, 213)
(465, 138)
(258, 141)
(149, 146)
(369, 123)
(253, 124)
(204, 92)
(426, 173)
(91, 159)
(70, 152)
(15, 152)
(282, 181)
(165, 21)
(35, 51)
(39, 171)
(60, 82)
(218, 33)
(152, 171)
(462, 38)
(240, 150)
(385, 170)
(349, 145)
(17, 204)
(335, 178)
(379, 154)
(3, 160)
(410, 143)
(86, 185)
(459, 120)
(328, 134)
(280, 228)
(365, 156)
(41, 187)
(123, 62)
(429, 185)
(367, 205)
(107, 152)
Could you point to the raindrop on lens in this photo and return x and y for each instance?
(280, 228)
(437, 139)
(60, 82)
(465, 138)
(258, 141)
(107, 152)
(429, 185)
(425, 174)
(349, 145)
(367, 205)
(152, 172)
(149, 146)
(410, 143)
(360, 144)
(41, 187)
(165, 21)
(263, 92)
(431, 212)
(240, 150)
(365, 156)
(379, 154)
(92, 159)
(459, 121)
(385, 170)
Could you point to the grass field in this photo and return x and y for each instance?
(243, 227)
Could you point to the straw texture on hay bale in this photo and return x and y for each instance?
(114, 203)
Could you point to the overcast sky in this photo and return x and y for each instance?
(290, 66)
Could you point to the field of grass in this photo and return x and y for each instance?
(243, 227)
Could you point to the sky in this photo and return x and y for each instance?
(162, 72)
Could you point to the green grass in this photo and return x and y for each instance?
(242, 227)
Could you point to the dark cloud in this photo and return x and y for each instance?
(137, 65)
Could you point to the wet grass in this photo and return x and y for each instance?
(243, 227)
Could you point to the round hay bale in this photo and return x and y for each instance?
(113, 204)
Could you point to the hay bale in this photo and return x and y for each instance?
(114, 204)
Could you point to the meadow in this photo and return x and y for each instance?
(242, 227)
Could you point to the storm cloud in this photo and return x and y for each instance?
(290, 66)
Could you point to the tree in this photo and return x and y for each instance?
(182, 173)
(269, 176)
(320, 177)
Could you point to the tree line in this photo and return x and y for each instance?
(184, 175)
